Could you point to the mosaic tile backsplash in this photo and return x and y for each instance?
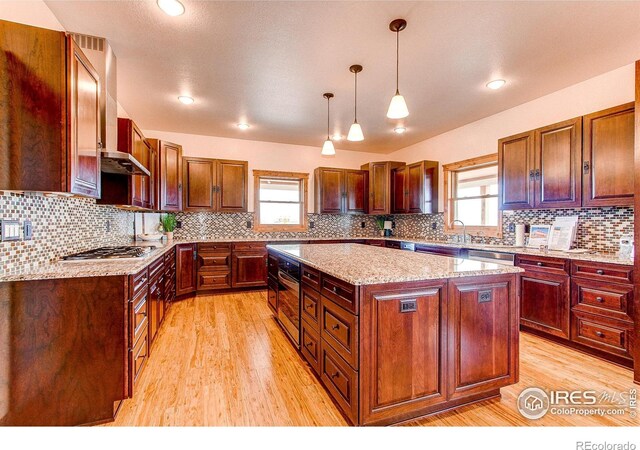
(63, 225)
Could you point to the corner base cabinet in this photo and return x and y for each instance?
(392, 352)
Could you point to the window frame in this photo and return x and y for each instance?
(449, 210)
(304, 200)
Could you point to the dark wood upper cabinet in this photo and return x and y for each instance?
(516, 171)
(49, 97)
(168, 184)
(607, 157)
(558, 155)
(232, 185)
(415, 188)
(215, 185)
(340, 191)
(380, 185)
(132, 190)
(185, 269)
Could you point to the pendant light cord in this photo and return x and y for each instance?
(397, 62)
(328, 100)
(355, 100)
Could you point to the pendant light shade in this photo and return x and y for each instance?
(327, 148)
(355, 132)
(398, 107)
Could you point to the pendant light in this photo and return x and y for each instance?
(355, 132)
(327, 147)
(397, 107)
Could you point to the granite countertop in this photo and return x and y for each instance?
(359, 264)
(63, 269)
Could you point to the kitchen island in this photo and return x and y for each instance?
(395, 335)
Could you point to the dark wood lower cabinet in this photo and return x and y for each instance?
(185, 269)
(249, 269)
(544, 300)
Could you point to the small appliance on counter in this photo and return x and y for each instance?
(626, 247)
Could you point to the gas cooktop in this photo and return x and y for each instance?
(109, 253)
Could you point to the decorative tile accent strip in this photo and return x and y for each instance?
(61, 225)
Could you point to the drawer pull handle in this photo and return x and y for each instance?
(309, 344)
(599, 299)
(308, 306)
(336, 375)
(600, 334)
(539, 264)
(336, 327)
(334, 289)
(600, 272)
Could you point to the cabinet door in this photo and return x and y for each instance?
(558, 153)
(330, 190)
(185, 268)
(141, 185)
(544, 303)
(249, 269)
(356, 191)
(232, 185)
(607, 172)
(199, 178)
(482, 335)
(170, 176)
(516, 172)
(403, 362)
(399, 190)
(84, 144)
(379, 195)
(155, 293)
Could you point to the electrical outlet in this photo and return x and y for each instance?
(27, 230)
(363, 225)
(512, 227)
(108, 226)
(434, 226)
(248, 224)
(312, 224)
(178, 224)
(393, 224)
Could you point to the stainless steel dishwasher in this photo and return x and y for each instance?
(506, 259)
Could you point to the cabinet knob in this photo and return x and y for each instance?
(532, 174)
(585, 167)
(599, 299)
(600, 272)
(600, 334)
(540, 264)
(335, 289)
(309, 344)
(308, 306)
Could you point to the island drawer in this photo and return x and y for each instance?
(602, 298)
(340, 380)
(213, 261)
(214, 247)
(603, 272)
(311, 277)
(602, 333)
(214, 280)
(543, 264)
(140, 316)
(138, 282)
(341, 292)
(310, 345)
(310, 305)
(241, 246)
(339, 329)
(138, 358)
(156, 268)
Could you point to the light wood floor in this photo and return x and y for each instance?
(222, 360)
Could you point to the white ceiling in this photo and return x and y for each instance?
(268, 63)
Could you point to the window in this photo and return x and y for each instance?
(280, 200)
(471, 187)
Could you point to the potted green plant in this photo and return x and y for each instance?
(380, 224)
(168, 224)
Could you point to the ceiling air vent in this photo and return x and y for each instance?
(89, 42)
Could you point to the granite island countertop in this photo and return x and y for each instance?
(359, 264)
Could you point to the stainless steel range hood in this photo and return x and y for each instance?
(101, 56)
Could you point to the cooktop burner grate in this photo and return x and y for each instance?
(111, 253)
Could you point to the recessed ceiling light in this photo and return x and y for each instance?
(496, 84)
(185, 99)
(243, 126)
(171, 7)
(400, 130)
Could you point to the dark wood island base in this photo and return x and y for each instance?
(391, 352)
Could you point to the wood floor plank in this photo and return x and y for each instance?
(222, 360)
